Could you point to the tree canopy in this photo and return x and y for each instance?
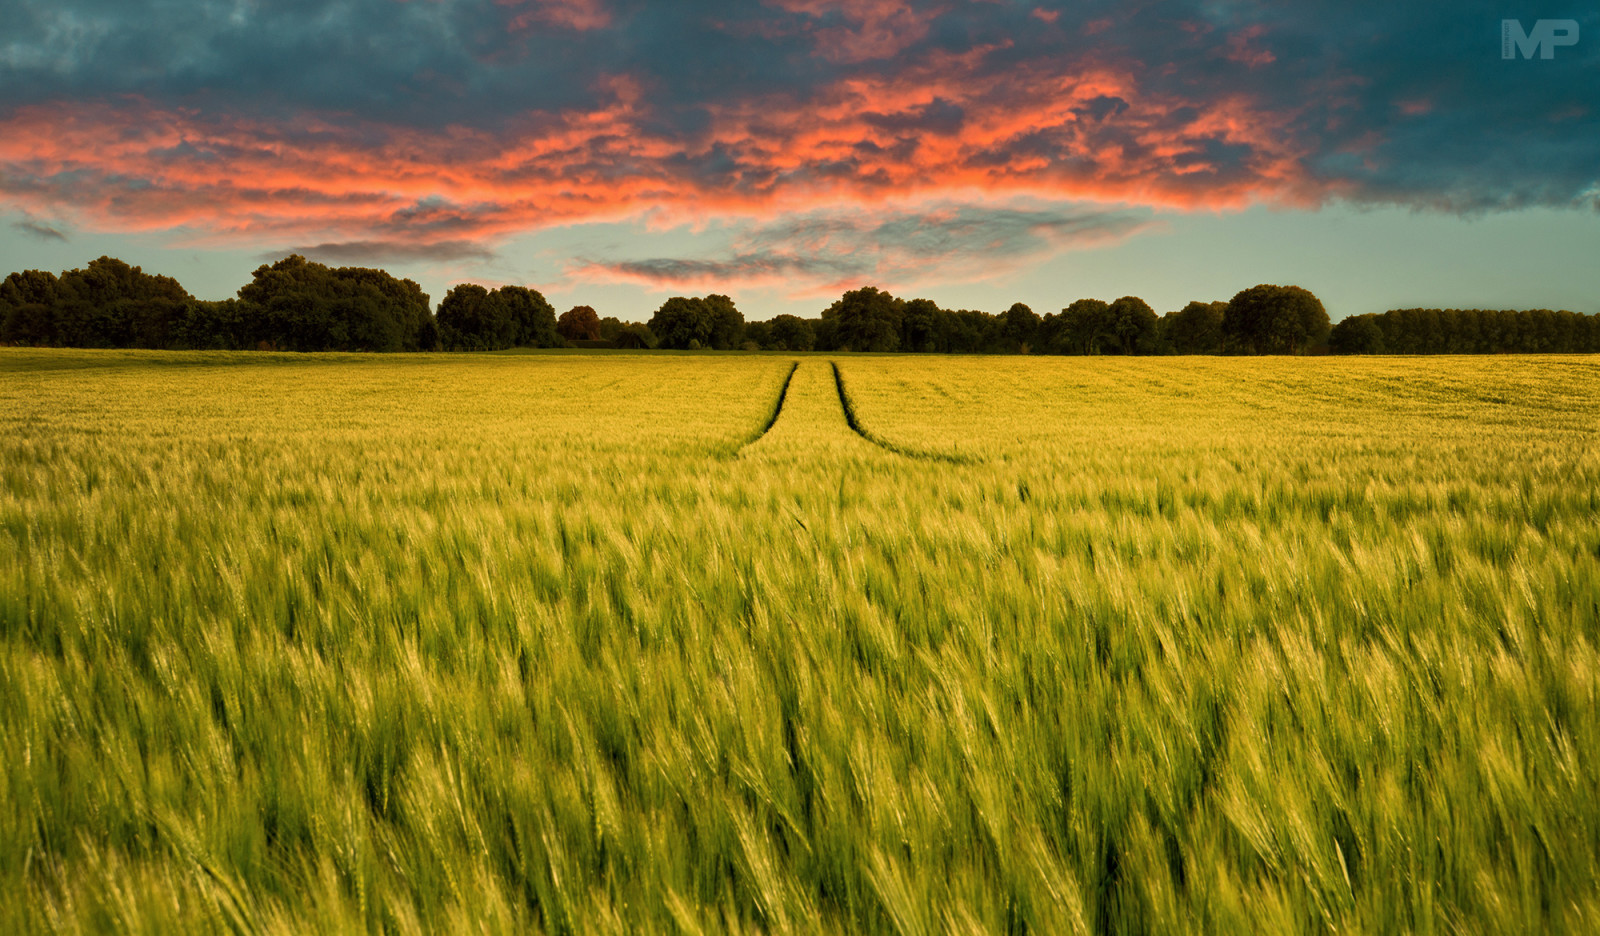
(299, 305)
(1358, 334)
(1084, 327)
(106, 304)
(1194, 329)
(470, 320)
(685, 323)
(1467, 331)
(1020, 325)
(1274, 320)
(532, 317)
(473, 318)
(727, 324)
(579, 323)
(866, 319)
(792, 333)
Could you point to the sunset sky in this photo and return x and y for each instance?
(977, 152)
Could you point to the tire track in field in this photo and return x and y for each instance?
(777, 410)
(886, 445)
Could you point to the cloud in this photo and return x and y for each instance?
(33, 227)
(381, 251)
(571, 14)
(851, 31)
(443, 123)
(1066, 133)
(820, 251)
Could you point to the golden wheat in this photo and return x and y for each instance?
(570, 643)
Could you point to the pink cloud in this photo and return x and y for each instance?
(569, 14)
(941, 126)
(1241, 48)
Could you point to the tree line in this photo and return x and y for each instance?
(1467, 331)
(298, 305)
(1261, 320)
(291, 305)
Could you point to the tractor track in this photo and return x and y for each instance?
(777, 410)
(860, 430)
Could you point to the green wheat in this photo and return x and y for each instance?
(546, 642)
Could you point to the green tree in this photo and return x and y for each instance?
(826, 332)
(471, 318)
(1134, 325)
(216, 326)
(1050, 338)
(533, 320)
(727, 324)
(866, 319)
(298, 305)
(27, 308)
(1274, 320)
(30, 287)
(387, 314)
(1358, 334)
(920, 322)
(1019, 326)
(633, 335)
(759, 333)
(1085, 327)
(969, 331)
(682, 323)
(790, 333)
(1194, 329)
(286, 301)
(110, 304)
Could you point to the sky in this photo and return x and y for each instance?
(976, 152)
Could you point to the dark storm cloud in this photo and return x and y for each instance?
(447, 121)
(1413, 104)
(420, 62)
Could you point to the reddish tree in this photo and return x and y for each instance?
(579, 323)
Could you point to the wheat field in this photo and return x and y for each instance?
(617, 643)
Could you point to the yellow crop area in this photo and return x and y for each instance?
(594, 644)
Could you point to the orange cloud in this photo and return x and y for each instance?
(943, 127)
(1241, 48)
(569, 14)
(1029, 129)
